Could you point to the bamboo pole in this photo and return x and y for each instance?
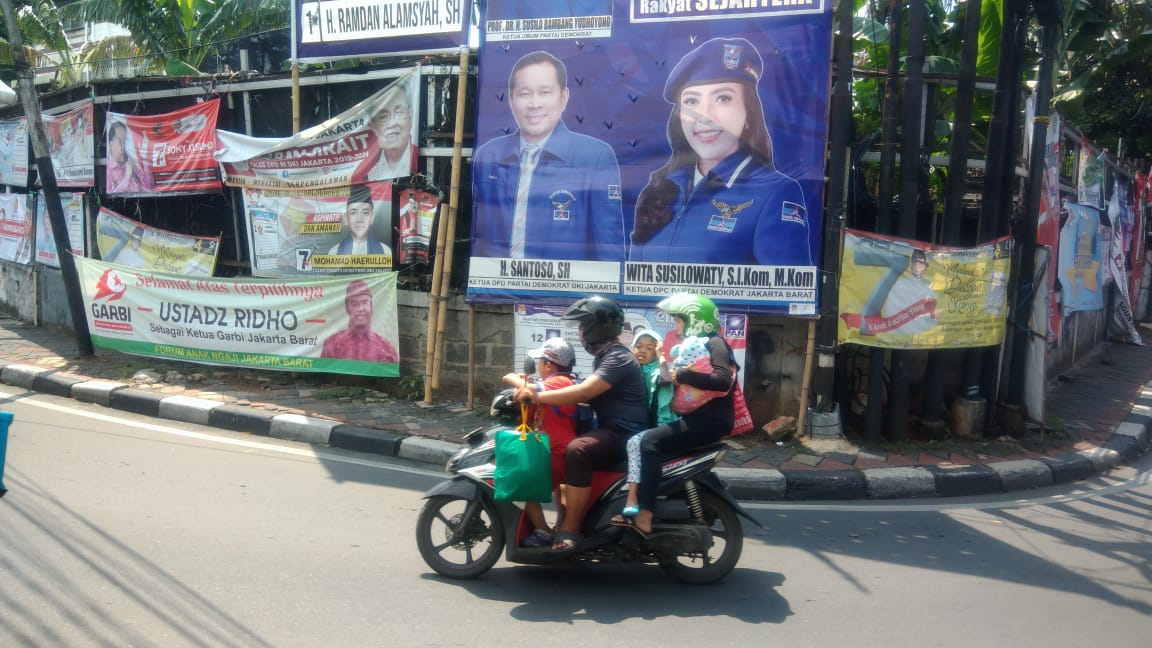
(802, 416)
(449, 226)
(434, 303)
(295, 97)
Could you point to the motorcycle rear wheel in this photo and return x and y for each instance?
(459, 538)
(720, 559)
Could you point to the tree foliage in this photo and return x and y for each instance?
(176, 36)
(1102, 84)
(1103, 67)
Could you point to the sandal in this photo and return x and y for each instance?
(566, 541)
(629, 523)
(628, 513)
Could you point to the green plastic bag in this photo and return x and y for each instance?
(523, 464)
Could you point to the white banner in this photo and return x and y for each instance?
(374, 140)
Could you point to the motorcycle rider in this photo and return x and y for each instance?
(619, 397)
(695, 316)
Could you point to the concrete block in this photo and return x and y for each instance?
(187, 409)
(749, 484)
(957, 481)
(899, 482)
(241, 419)
(1022, 474)
(1137, 431)
(1128, 447)
(826, 484)
(1069, 468)
(57, 384)
(21, 375)
(305, 429)
(362, 439)
(96, 391)
(425, 450)
(140, 401)
(1102, 459)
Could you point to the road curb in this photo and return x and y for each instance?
(362, 439)
(1022, 474)
(825, 484)
(96, 391)
(1069, 468)
(240, 418)
(295, 427)
(187, 409)
(899, 482)
(961, 481)
(20, 375)
(56, 384)
(754, 484)
(425, 450)
(137, 401)
(1129, 440)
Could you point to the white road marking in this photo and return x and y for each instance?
(300, 450)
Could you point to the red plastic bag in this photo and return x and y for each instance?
(742, 422)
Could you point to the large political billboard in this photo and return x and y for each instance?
(636, 148)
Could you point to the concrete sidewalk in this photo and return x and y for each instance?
(1099, 416)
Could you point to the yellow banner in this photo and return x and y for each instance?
(901, 294)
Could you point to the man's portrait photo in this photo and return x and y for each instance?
(359, 341)
(545, 191)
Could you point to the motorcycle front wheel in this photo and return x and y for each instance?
(717, 561)
(459, 538)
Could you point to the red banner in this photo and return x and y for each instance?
(169, 153)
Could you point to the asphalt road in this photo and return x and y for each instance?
(123, 531)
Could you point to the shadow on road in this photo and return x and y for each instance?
(610, 594)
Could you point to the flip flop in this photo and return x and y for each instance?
(629, 523)
(566, 541)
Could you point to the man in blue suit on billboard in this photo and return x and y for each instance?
(544, 191)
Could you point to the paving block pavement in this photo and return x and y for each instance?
(1098, 416)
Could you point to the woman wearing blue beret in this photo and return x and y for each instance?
(719, 198)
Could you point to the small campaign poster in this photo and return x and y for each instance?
(14, 152)
(16, 224)
(335, 230)
(73, 206)
(157, 154)
(130, 243)
(70, 142)
(901, 294)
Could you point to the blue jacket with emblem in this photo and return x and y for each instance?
(742, 212)
(574, 207)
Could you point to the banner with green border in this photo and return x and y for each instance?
(343, 324)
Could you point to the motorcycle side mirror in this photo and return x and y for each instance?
(529, 366)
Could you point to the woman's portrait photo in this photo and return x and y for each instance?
(719, 197)
(124, 173)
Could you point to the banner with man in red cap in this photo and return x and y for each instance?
(344, 325)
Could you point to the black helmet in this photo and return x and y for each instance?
(600, 319)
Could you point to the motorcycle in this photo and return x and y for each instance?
(696, 535)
